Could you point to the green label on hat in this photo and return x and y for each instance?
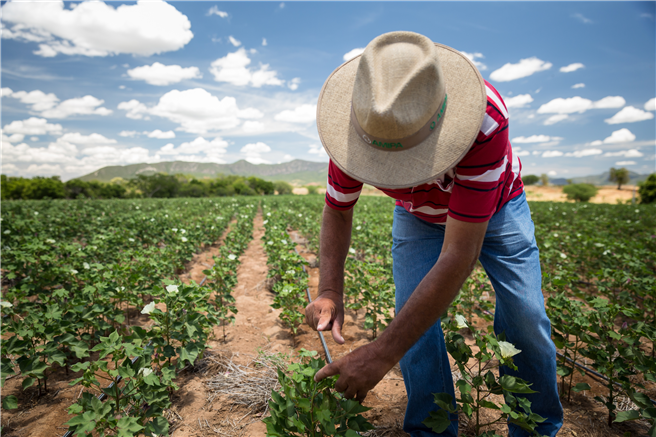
(387, 145)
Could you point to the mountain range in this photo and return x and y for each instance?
(296, 172)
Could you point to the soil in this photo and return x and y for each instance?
(605, 194)
(257, 328)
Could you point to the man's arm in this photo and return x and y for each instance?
(362, 369)
(327, 310)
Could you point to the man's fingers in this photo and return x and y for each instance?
(330, 370)
(324, 320)
(337, 330)
(350, 393)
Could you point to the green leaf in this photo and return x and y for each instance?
(28, 382)
(515, 385)
(580, 387)
(128, 426)
(623, 416)
(9, 402)
(158, 425)
(445, 401)
(438, 421)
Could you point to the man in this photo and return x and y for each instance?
(417, 120)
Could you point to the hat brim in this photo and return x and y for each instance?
(448, 144)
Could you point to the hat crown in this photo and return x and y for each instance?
(398, 85)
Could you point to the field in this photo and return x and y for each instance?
(107, 292)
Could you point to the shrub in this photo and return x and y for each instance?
(647, 190)
(580, 192)
(530, 179)
(283, 187)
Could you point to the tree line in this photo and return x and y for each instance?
(158, 185)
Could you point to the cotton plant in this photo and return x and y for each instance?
(478, 383)
(125, 375)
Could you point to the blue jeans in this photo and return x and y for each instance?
(511, 259)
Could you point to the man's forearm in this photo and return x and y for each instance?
(334, 243)
(428, 302)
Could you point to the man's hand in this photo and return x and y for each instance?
(326, 313)
(358, 371)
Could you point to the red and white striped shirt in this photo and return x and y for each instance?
(482, 182)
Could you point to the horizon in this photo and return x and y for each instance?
(89, 85)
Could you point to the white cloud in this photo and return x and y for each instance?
(135, 109)
(535, 139)
(87, 105)
(555, 119)
(520, 101)
(32, 138)
(522, 153)
(584, 152)
(15, 138)
(301, 114)
(473, 56)
(160, 74)
(579, 104)
(293, 84)
(552, 153)
(252, 126)
(253, 152)
(39, 100)
(160, 135)
(571, 67)
(214, 10)
(264, 41)
(629, 114)
(235, 42)
(32, 126)
(98, 29)
(578, 85)
(650, 105)
(609, 102)
(552, 173)
(65, 159)
(198, 111)
(6, 92)
(631, 153)
(128, 133)
(625, 163)
(200, 150)
(582, 18)
(352, 53)
(78, 138)
(317, 149)
(620, 136)
(233, 69)
(282, 5)
(47, 104)
(524, 68)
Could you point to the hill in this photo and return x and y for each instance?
(602, 179)
(297, 172)
(599, 179)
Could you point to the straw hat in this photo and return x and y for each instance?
(402, 113)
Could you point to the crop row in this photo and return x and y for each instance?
(76, 280)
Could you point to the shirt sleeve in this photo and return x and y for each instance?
(342, 191)
(482, 174)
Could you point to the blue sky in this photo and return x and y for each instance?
(85, 85)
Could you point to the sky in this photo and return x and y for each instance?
(91, 84)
